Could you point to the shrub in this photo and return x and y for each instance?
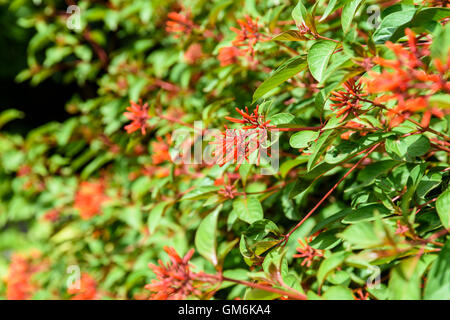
(326, 175)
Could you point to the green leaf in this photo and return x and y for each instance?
(326, 138)
(290, 35)
(302, 139)
(408, 148)
(326, 240)
(405, 279)
(300, 14)
(347, 149)
(348, 13)
(441, 45)
(443, 208)
(258, 294)
(437, 286)
(132, 216)
(10, 115)
(286, 71)
(366, 213)
(331, 7)
(206, 236)
(361, 235)
(391, 23)
(155, 215)
(202, 192)
(329, 264)
(318, 57)
(248, 209)
(338, 293)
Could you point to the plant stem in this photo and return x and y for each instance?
(286, 237)
(292, 295)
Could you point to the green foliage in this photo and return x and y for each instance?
(362, 187)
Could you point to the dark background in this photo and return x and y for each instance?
(42, 103)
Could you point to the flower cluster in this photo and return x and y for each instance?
(89, 198)
(138, 114)
(160, 151)
(251, 120)
(238, 145)
(308, 253)
(84, 289)
(244, 43)
(19, 280)
(348, 101)
(179, 24)
(409, 78)
(175, 280)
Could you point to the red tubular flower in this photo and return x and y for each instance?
(179, 24)
(86, 289)
(308, 253)
(348, 101)
(160, 151)
(361, 295)
(410, 77)
(238, 145)
(228, 190)
(246, 38)
(252, 121)
(193, 53)
(52, 215)
(174, 281)
(89, 198)
(138, 114)
(228, 55)
(19, 285)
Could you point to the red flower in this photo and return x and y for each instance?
(19, 285)
(228, 55)
(160, 151)
(86, 289)
(24, 170)
(138, 114)
(238, 145)
(193, 53)
(410, 77)
(228, 190)
(308, 253)
(252, 121)
(179, 24)
(247, 35)
(174, 281)
(348, 101)
(52, 215)
(360, 295)
(246, 38)
(89, 199)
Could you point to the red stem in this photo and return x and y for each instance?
(286, 237)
